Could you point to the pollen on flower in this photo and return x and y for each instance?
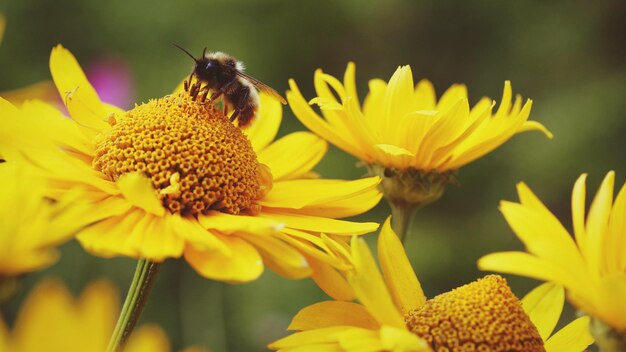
(481, 316)
(196, 158)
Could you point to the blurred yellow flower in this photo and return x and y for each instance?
(591, 266)
(50, 319)
(394, 314)
(173, 177)
(32, 226)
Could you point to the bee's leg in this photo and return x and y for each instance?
(223, 89)
(187, 82)
(216, 94)
(195, 90)
(241, 103)
(205, 91)
(234, 115)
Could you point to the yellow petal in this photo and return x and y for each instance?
(88, 320)
(153, 237)
(370, 288)
(542, 233)
(20, 262)
(43, 91)
(399, 95)
(300, 193)
(107, 238)
(349, 81)
(332, 313)
(312, 246)
(107, 207)
(98, 305)
(394, 150)
(293, 155)
(401, 340)
(451, 124)
(524, 264)
(191, 231)
(243, 265)
(46, 122)
(578, 213)
(264, 129)
(229, 224)
(615, 242)
(79, 96)
(399, 276)
(544, 305)
(280, 257)
(573, 337)
(359, 339)
(505, 102)
(474, 149)
(148, 338)
(451, 96)
(138, 190)
(598, 221)
(317, 336)
(425, 96)
(536, 126)
(319, 224)
(345, 207)
(315, 123)
(331, 281)
(134, 234)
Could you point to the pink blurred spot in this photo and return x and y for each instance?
(112, 79)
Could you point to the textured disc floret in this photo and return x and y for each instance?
(196, 158)
(481, 316)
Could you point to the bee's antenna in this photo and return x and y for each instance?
(185, 51)
(204, 52)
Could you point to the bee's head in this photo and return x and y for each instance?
(206, 68)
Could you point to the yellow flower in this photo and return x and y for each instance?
(404, 134)
(32, 226)
(173, 177)
(591, 266)
(50, 319)
(394, 315)
(401, 125)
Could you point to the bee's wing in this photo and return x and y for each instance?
(262, 86)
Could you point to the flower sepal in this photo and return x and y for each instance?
(607, 338)
(412, 188)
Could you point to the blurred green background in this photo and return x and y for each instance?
(568, 56)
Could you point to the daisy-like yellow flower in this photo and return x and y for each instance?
(394, 315)
(591, 265)
(412, 140)
(32, 225)
(174, 177)
(50, 319)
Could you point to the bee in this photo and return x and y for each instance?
(224, 76)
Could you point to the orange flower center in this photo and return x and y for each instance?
(196, 158)
(481, 316)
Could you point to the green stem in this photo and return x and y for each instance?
(145, 275)
(401, 219)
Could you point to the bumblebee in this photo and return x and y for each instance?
(224, 76)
